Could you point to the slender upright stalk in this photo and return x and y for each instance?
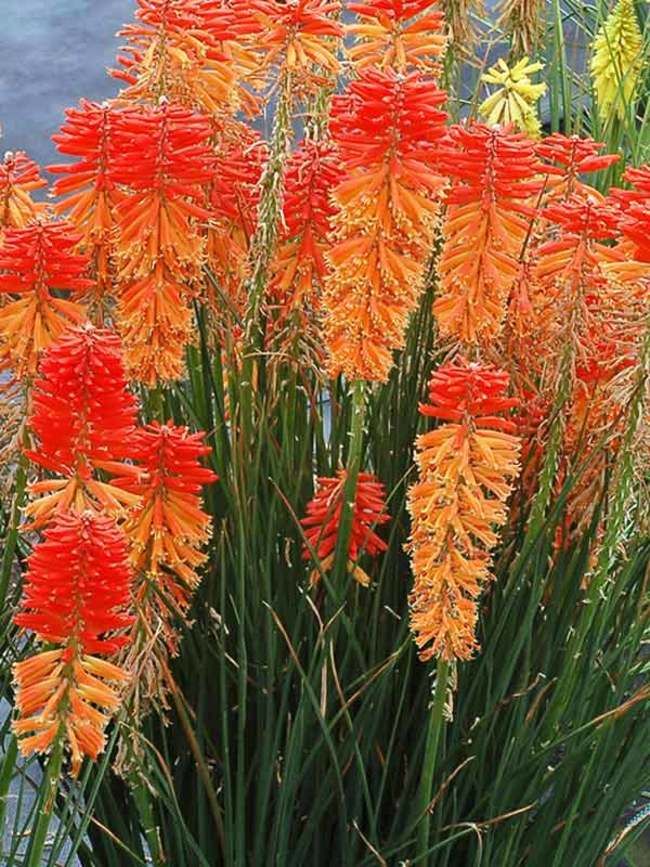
(353, 464)
(48, 789)
(436, 721)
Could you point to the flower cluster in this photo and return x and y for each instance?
(466, 467)
(516, 97)
(398, 34)
(323, 519)
(19, 176)
(386, 128)
(617, 61)
(489, 207)
(76, 597)
(40, 275)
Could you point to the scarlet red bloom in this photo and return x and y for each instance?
(77, 584)
(583, 217)
(80, 403)
(164, 159)
(461, 390)
(36, 263)
(324, 517)
(19, 176)
(386, 128)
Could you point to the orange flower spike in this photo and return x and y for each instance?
(19, 176)
(76, 593)
(164, 158)
(387, 130)
(297, 37)
(84, 421)
(466, 468)
(299, 269)
(169, 528)
(490, 205)
(324, 516)
(401, 34)
(35, 263)
(174, 50)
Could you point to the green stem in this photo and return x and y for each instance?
(353, 465)
(48, 790)
(11, 539)
(144, 807)
(436, 721)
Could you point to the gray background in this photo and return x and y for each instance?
(52, 53)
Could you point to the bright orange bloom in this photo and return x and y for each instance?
(19, 176)
(174, 50)
(401, 34)
(299, 268)
(169, 528)
(84, 421)
(466, 467)
(296, 37)
(37, 264)
(234, 193)
(162, 159)
(324, 517)
(76, 597)
(387, 129)
(489, 208)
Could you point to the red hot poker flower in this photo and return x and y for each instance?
(76, 596)
(573, 156)
(465, 472)
(36, 262)
(490, 204)
(401, 34)
(299, 268)
(324, 516)
(19, 176)
(169, 528)
(84, 420)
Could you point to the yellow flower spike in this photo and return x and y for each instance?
(515, 100)
(617, 61)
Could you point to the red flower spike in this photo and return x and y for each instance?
(84, 420)
(19, 176)
(387, 129)
(36, 263)
(86, 192)
(324, 516)
(77, 586)
(579, 216)
(169, 528)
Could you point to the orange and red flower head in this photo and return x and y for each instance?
(495, 184)
(323, 519)
(37, 264)
(19, 176)
(399, 34)
(566, 159)
(465, 471)
(76, 596)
